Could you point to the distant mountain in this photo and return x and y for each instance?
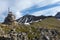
(30, 19)
(57, 15)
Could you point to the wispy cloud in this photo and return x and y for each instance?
(51, 11)
(35, 8)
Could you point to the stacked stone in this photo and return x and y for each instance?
(10, 18)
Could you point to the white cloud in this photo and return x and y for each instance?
(3, 6)
(41, 3)
(47, 2)
(18, 15)
(23, 4)
(51, 11)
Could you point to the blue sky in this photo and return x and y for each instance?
(33, 7)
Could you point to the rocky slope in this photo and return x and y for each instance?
(57, 15)
(31, 18)
(47, 29)
(28, 19)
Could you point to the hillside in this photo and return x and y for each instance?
(34, 30)
(48, 23)
(39, 28)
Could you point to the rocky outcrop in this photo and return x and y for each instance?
(27, 19)
(5, 38)
(9, 19)
(57, 15)
(44, 34)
